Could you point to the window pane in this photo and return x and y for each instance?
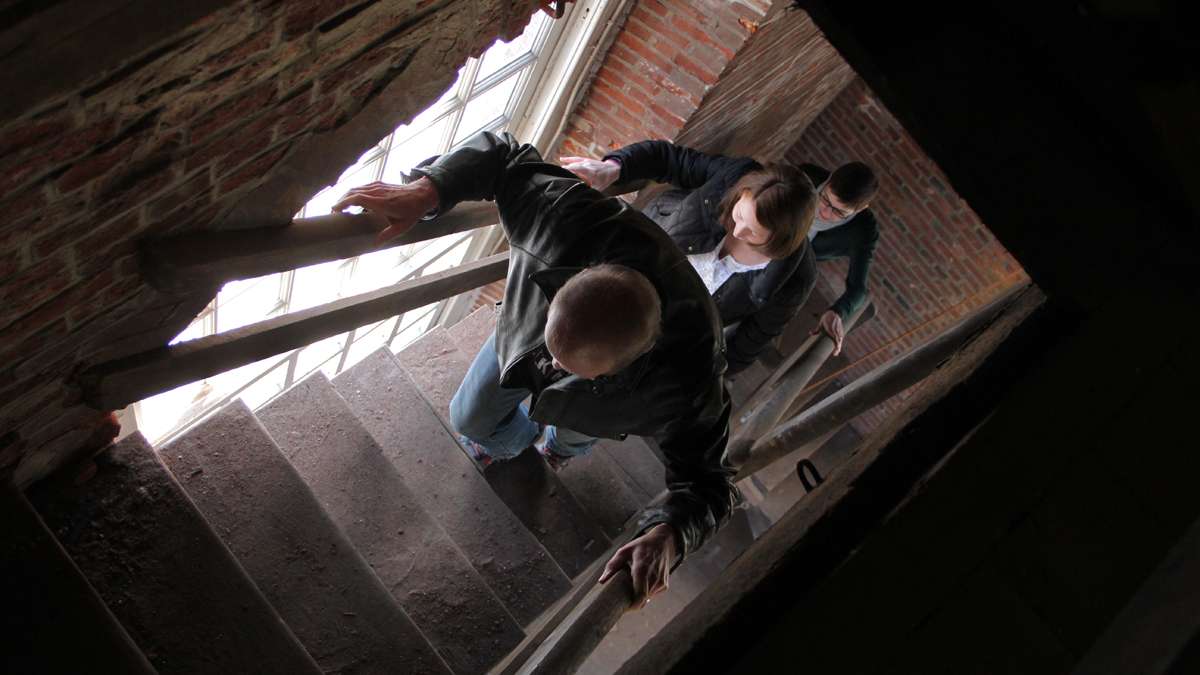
(316, 285)
(244, 302)
(423, 145)
(501, 54)
(325, 199)
(486, 107)
(369, 338)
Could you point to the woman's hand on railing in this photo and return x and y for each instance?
(594, 172)
(649, 558)
(402, 205)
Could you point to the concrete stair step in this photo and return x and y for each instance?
(162, 570)
(603, 489)
(470, 333)
(364, 494)
(534, 492)
(643, 472)
(529, 488)
(450, 489)
(303, 563)
(47, 599)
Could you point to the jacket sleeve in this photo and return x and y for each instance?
(701, 495)
(666, 162)
(764, 325)
(861, 255)
(497, 167)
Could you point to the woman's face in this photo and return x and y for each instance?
(745, 222)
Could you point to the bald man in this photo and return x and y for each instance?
(604, 323)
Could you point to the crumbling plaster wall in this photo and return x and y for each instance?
(231, 120)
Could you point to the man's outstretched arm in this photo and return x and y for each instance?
(486, 166)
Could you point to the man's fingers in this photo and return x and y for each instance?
(614, 564)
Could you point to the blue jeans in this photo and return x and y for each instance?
(494, 417)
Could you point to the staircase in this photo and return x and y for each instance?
(339, 528)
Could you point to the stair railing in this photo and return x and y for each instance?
(212, 258)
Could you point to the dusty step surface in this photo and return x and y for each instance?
(532, 491)
(46, 599)
(642, 470)
(449, 488)
(470, 333)
(602, 488)
(364, 494)
(162, 569)
(529, 488)
(304, 565)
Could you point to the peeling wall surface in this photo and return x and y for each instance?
(206, 115)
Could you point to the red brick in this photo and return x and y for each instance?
(91, 168)
(253, 170)
(259, 42)
(194, 192)
(667, 116)
(644, 52)
(28, 135)
(619, 97)
(234, 111)
(79, 141)
(689, 28)
(654, 6)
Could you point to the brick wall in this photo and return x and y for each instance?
(936, 261)
(232, 120)
(666, 58)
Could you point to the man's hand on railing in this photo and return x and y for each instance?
(402, 205)
(649, 559)
(831, 325)
(594, 172)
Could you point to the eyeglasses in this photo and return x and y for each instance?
(840, 213)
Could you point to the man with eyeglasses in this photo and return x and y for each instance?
(844, 228)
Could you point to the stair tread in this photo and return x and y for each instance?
(304, 565)
(530, 489)
(602, 488)
(451, 490)
(645, 474)
(163, 571)
(470, 333)
(47, 597)
(365, 495)
(540, 500)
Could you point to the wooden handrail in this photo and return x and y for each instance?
(184, 262)
(790, 379)
(870, 390)
(115, 384)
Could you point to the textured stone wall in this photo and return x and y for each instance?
(231, 119)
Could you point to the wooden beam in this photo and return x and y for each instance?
(179, 263)
(768, 406)
(114, 385)
(870, 390)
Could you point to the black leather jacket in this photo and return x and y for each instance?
(763, 301)
(556, 226)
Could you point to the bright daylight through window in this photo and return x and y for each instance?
(491, 93)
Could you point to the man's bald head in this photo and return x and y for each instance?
(602, 319)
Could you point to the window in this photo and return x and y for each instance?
(490, 93)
